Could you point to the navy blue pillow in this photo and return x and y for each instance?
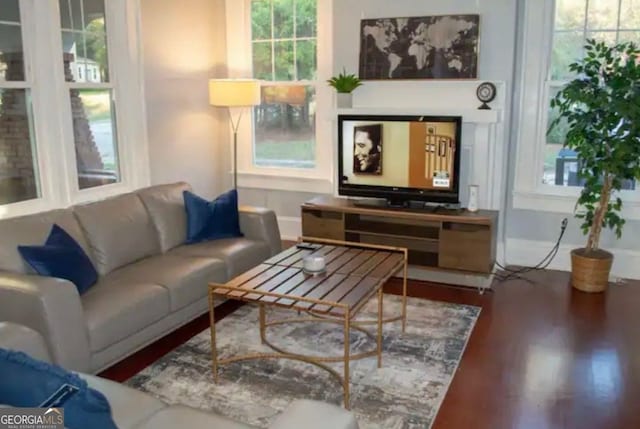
(26, 382)
(212, 220)
(62, 257)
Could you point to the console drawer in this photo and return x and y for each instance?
(465, 247)
(323, 224)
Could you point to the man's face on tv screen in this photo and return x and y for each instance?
(363, 149)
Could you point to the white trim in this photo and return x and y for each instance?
(530, 252)
(468, 115)
(285, 183)
(290, 227)
(564, 204)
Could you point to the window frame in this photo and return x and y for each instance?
(52, 110)
(239, 63)
(534, 83)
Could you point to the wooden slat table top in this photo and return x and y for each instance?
(353, 274)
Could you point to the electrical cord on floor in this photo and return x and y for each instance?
(543, 264)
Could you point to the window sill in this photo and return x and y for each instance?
(289, 182)
(546, 202)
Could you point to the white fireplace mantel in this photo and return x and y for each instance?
(473, 116)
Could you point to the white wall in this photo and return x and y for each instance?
(496, 63)
(184, 45)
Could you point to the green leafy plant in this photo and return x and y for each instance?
(345, 83)
(601, 108)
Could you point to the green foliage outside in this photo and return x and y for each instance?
(97, 45)
(601, 107)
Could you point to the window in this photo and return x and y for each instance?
(19, 179)
(554, 33)
(284, 56)
(611, 21)
(84, 43)
(59, 143)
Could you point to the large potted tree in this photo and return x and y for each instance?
(601, 110)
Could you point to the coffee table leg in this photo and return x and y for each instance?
(347, 346)
(404, 292)
(380, 297)
(263, 320)
(214, 350)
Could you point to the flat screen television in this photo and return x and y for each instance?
(399, 158)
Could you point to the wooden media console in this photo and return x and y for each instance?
(446, 246)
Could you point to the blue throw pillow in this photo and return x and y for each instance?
(212, 220)
(62, 257)
(26, 382)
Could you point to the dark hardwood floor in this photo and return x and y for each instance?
(541, 356)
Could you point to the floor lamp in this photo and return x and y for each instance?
(234, 94)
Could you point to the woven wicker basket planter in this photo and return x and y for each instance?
(590, 271)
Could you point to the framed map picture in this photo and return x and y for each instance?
(428, 47)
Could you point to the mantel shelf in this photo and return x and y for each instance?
(468, 115)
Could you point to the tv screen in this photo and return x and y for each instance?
(399, 158)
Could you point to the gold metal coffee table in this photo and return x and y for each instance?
(355, 272)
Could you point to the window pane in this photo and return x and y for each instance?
(570, 14)
(608, 37)
(285, 127)
(94, 134)
(306, 18)
(78, 15)
(567, 48)
(262, 60)
(282, 18)
(9, 11)
(306, 59)
(11, 56)
(18, 175)
(630, 14)
(284, 69)
(84, 41)
(629, 36)
(260, 19)
(603, 14)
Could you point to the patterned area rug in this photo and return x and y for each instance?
(406, 392)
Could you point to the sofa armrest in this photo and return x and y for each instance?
(22, 339)
(314, 415)
(258, 223)
(51, 307)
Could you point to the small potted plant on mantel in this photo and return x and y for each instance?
(345, 84)
(601, 107)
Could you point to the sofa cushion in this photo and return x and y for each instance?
(129, 407)
(165, 205)
(119, 231)
(27, 382)
(185, 277)
(179, 416)
(33, 230)
(61, 257)
(239, 254)
(212, 220)
(116, 308)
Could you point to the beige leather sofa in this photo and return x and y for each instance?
(150, 281)
(133, 409)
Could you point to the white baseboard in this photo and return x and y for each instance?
(290, 227)
(626, 263)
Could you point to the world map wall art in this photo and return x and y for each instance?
(427, 47)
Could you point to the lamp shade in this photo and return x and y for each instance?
(234, 92)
